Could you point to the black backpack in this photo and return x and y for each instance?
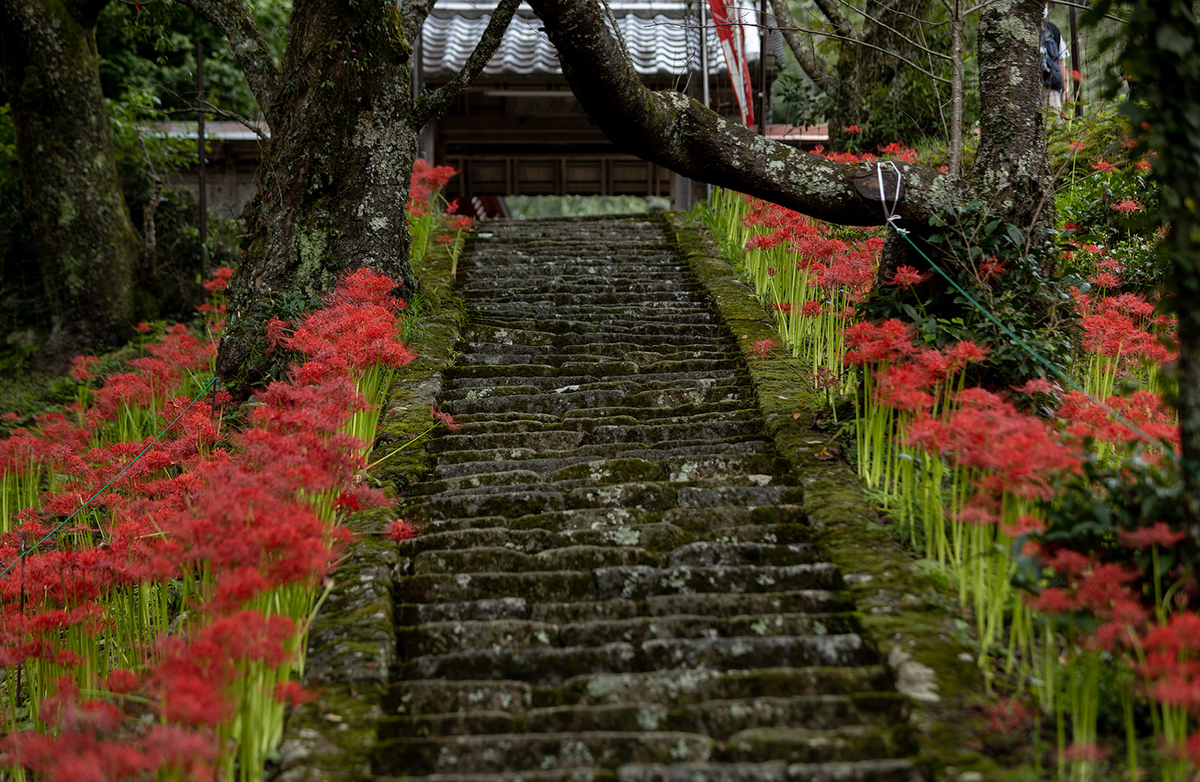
(1051, 50)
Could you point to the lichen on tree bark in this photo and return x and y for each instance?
(85, 240)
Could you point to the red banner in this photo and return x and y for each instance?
(728, 22)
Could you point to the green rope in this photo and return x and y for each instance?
(26, 552)
(1058, 373)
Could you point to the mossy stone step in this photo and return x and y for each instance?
(551, 666)
(552, 440)
(610, 298)
(548, 666)
(526, 289)
(798, 745)
(560, 403)
(895, 770)
(653, 537)
(644, 628)
(627, 329)
(618, 520)
(504, 752)
(658, 432)
(434, 638)
(529, 332)
(693, 686)
(641, 582)
(554, 559)
(460, 387)
(426, 696)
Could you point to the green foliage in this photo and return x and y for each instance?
(969, 245)
(151, 46)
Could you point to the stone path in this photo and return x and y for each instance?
(615, 578)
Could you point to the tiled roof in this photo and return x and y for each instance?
(661, 41)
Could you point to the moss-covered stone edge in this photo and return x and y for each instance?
(901, 608)
(352, 639)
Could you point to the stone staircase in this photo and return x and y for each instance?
(615, 578)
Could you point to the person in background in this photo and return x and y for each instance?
(1055, 76)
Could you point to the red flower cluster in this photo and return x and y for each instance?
(236, 518)
(426, 181)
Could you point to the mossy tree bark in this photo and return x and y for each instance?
(85, 240)
(680, 134)
(333, 184)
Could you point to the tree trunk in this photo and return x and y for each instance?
(333, 183)
(1011, 169)
(956, 88)
(85, 240)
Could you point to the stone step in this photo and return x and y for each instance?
(598, 298)
(434, 638)
(462, 386)
(600, 331)
(554, 559)
(798, 745)
(718, 719)
(631, 582)
(804, 601)
(554, 775)
(560, 403)
(615, 519)
(681, 687)
(535, 751)
(527, 289)
(550, 665)
(896, 770)
(653, 536)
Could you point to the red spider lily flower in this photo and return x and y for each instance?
(1052, 600)
(812, 309)
(444, 239)
(1157, 534)
(908, 276)
(1076, 75)
(276, 331)
(1076, 146)
(1105, 280)
(782, 307)
(869, 343)
(121, 681)
(82, 366)
(1037, 385)
(1099, 164)
(1127, 206)
(462, 223)
(143, 327)
(899, 152)
(990, 267)
(853, 130)
(1008, 715)
(1143, 166)
(400, 530)
(220, 279)
(446, 419)
(763, 347)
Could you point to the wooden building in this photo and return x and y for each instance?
(518, 130)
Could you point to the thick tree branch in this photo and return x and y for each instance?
(412, 17)
(681, 134)
(841, 24)
(804, 50)
(249, 47)
(433, 104)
